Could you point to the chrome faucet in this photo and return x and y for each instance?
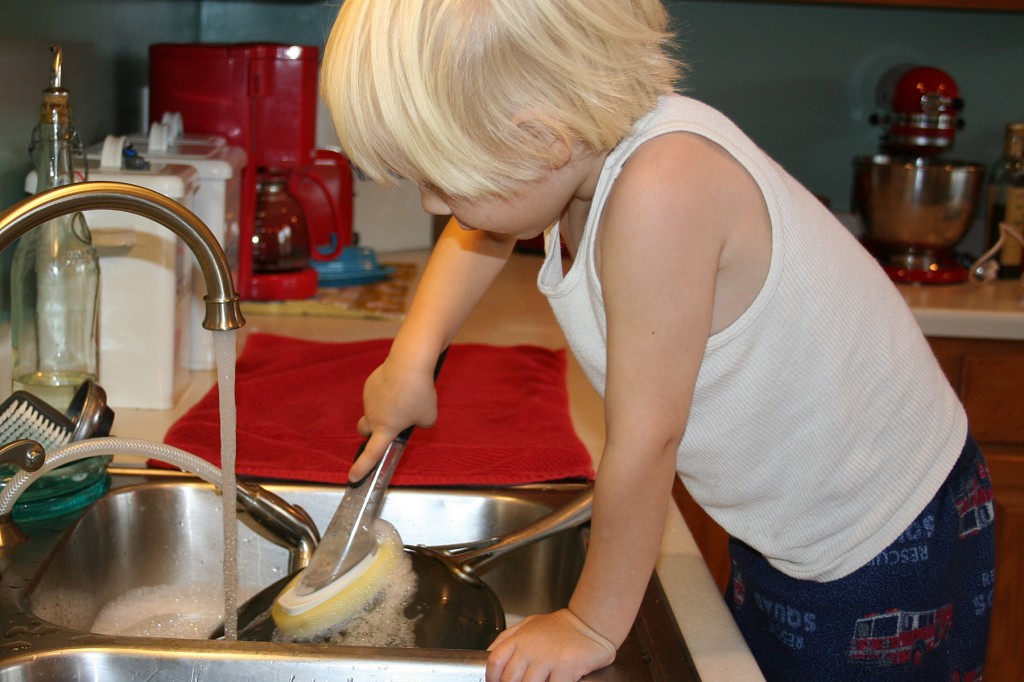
(288, 525)
(222, 305)
(223, 311)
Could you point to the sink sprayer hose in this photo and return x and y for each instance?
(108, 446)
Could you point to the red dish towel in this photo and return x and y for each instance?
(503, 415)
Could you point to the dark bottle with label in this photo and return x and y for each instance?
(1006, 200)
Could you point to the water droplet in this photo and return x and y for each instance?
(17, 645)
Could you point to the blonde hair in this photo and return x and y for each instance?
(469, 97)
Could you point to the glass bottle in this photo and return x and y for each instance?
(1006, 200)
(55, 273)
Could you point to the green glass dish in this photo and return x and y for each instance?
(60, 491)
(29, 511)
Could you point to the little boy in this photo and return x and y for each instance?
(741, 338)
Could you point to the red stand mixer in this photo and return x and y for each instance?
(296, 201)
(913, 204)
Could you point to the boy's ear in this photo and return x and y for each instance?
(561, 151)
(560, 148)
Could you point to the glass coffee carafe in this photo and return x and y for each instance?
(280, 237)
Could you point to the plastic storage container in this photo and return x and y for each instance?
(217, 203)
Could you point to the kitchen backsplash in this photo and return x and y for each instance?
(799, 78)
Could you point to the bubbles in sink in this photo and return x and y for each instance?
(382, 622)
(162, 611)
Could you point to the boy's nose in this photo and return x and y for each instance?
(434, 204)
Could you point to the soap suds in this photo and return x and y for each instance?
(162, 611)
(381, 622)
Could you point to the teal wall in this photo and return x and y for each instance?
(104, 43)
(798, 78)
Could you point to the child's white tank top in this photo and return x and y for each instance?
(821, 423)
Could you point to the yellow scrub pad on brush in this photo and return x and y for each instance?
(323, 613)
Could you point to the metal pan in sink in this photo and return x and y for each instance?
(452, 608)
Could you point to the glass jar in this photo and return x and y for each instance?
(280, 240)
(1006, 200)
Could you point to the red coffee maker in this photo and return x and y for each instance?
(262, 97)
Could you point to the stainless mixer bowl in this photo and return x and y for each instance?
(920, 202)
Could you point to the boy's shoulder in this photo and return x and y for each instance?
(683, 151)
(682, 162)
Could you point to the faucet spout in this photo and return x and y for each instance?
(223, 311)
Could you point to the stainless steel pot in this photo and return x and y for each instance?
(917, 201)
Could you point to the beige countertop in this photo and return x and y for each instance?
(994, 310)
(512, 312)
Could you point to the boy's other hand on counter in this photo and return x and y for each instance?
(556, 647)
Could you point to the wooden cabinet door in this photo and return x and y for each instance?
(989, 377)
(1005, 655)
(711, 540)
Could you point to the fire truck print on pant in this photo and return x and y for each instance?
(897, 637)
(974, 503)
(917, 611)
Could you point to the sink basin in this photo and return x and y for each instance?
(154, 543)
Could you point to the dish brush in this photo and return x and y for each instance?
(355, 557)
(24, 415)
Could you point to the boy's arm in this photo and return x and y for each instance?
(400, 392)
(659, 263)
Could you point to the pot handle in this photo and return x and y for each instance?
(474, 557)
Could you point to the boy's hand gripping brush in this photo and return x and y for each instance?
(353, 561)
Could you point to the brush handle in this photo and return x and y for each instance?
(349, 536)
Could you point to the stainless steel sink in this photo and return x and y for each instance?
(163, 534)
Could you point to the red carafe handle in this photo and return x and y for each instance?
(324, 190)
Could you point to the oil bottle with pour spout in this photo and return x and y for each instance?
(55, 273)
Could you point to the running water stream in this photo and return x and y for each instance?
(224, 350)
(127, 610)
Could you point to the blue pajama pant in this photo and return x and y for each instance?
(917, 611)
